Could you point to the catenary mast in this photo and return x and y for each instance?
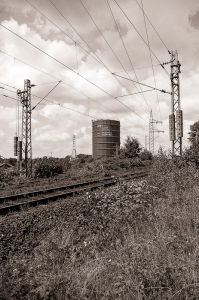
(176, 116)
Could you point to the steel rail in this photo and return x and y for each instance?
(78, 189)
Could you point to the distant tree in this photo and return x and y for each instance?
(192, 152)
(131, 147)
(193, 139)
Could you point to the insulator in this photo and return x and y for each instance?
(172, 127)
(179, 121)
(19, 150)
(15, 145)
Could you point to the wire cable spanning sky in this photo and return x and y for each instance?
(82, 44)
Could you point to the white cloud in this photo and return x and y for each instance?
(53, 125)
(52, 136)
(7, 113)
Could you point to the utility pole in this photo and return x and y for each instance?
(26, 151)
(176, 117)
(151, 132)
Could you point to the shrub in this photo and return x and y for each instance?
(146, 155)
(48, 167)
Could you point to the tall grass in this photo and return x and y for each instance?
(120, 244)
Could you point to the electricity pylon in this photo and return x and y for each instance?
(151, 131)
(25, 99)
(73, 155)
(176, 117)
(146, 142)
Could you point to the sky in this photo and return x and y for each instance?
(82, 43)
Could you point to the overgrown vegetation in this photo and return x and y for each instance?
(129, 156)
(45, 167)
(132, 241)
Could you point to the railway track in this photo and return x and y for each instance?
(31, 199)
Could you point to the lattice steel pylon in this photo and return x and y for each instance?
(25, 97)
(73, 155)
(151, 131)
(176, 117)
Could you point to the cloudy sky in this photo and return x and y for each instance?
(82, 43)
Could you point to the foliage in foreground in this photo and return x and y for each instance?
(134, 241)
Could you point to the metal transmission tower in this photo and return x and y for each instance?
(25, 98)
(176, 117)
(146, 143)
(73, 155)
(151, 131)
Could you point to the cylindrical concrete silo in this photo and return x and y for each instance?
(106, 137)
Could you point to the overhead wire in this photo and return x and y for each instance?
(150, 57)
(112, 15)
(89, 47)
(71, 70)
(16, 102)
(76, 57)
(58, 104)
(98, 59)
(111, 50)
(65, 84)
(141, 36)
(45, 83)
(140, 68)
(80, 93)
(136, 93)
(162, 91)
(153, 27)
(46, 95)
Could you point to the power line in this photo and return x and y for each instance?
(153, 26)
(140, 68)
(90, 48)
(135, 93)
(100, 61)
(71, 70)
(162, 91)
(141, 36)
(77, 91)
(112, 15)
(109, 47)
(151, 57)
(45, 96)
(45, 83)
(58, 104)
(9, 97)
